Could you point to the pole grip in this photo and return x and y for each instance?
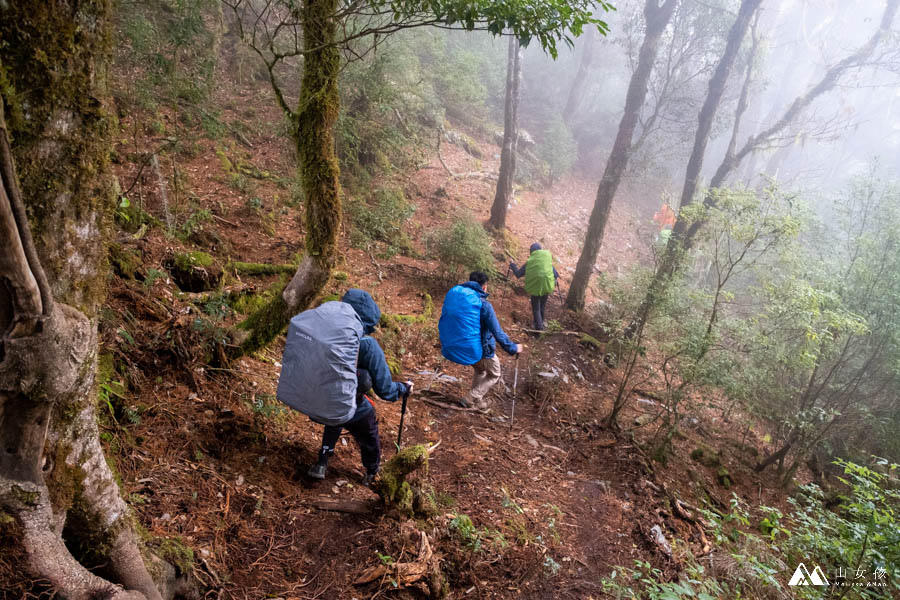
(402, 417)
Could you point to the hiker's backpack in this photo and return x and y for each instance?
(539, 279)
(318, 371)
(460, 326)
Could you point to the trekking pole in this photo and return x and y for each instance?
(512, 414)
(403, 412)
(559, 293)
(506, 289)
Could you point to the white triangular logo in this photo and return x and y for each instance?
(800, 576)
(818, 577)
(803, 577)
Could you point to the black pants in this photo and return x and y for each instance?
(538, 310)
(364, 431)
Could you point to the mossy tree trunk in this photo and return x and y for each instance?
(313, 125)
(54, 479)
(656, 17)
(507, 175)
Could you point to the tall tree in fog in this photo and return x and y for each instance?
(657, 18)
(510, 136)
(576, 92)
(701, 139)
(684, 233)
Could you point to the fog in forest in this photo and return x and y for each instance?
(841, 134)
(838, 136)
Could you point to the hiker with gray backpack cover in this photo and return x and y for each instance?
(329, 363)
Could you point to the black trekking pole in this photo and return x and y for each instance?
(403, 412)
(512, 414)
(559, 293)
(506, 289)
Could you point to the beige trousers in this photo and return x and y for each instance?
(487, 373)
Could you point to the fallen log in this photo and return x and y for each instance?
(245, 268)
(451, 406)
(353, 507)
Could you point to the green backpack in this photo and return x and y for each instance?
(539, 280)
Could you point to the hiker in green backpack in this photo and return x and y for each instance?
(540, 280)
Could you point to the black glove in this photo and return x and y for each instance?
(513, 267)
(404, 389)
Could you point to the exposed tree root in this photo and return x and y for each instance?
(47, 555)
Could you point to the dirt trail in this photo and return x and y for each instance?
(213, 462)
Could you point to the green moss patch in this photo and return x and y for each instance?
(409, 498)
(174, 551)
(724, 478)
(705, 456)
(259, 269)
(124, 261)
(194, 271)
(591, 341)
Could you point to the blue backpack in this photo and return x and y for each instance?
(460, 326)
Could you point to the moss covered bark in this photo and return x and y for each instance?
(408, 498)
(260, 269)
(53, 92)
(313, 129)
(53, 58)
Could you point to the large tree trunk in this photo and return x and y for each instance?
(672, 256)
(54, 479)
(510, 136)
(313, 133)
(657, 18)
(576, 92)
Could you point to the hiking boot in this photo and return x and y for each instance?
(317, 471)
(465, 403)
(484, 404)
(369, 478)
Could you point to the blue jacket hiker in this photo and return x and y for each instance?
(470, 332)
(373, 374)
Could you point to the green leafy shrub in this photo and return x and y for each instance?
(461, 247)
(862, 535)
(170, 47)
(458, 84)
(643, 583)
(384, 111)
(473, 538)
(856, 544)
(382, 220)
(467, 73)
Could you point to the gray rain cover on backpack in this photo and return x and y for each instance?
(318, 372)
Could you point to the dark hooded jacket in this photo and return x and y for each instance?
(371, 356)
